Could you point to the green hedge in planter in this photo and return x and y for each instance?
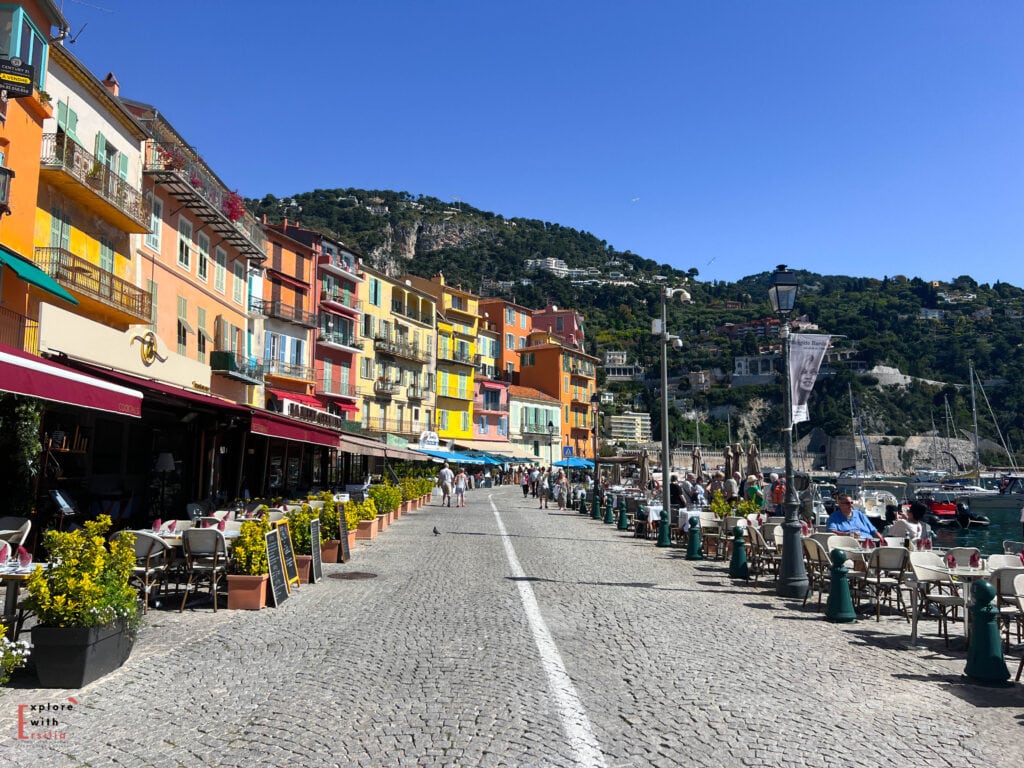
(386, 497)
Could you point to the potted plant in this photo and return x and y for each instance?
(302, 542)
(233, 206)
(247, 583)
(351, 511)
(369, 522)
(88, 613)
(330, 529)
(12, 655)
(386, 498)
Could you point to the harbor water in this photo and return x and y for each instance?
(989, 540)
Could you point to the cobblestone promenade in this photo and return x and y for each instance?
(524, 637)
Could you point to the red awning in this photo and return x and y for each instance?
(169, 390)
(296, 397)
(348, 407)
(363, 446)
(493, 384)
(24, 374)
(274, 425)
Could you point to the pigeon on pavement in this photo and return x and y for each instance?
(436, 532)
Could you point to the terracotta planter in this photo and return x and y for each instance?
(329, 550)
(406, 507)
(71, 657)
(384, 521)
(368, 529)
(303, 563)
(247, 593)
(351, 544)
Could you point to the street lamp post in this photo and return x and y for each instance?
(792, 575)
(595, 404)
(666, 448)
(551, 437)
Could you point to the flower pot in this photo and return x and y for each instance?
(383, 521)
(72, 657)
(406, 507)
(351, 535)
(329, 550)
(303, 563)
(368, 529)
(247, 593)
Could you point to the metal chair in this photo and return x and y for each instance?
(962, 555)
(206, 558)
(18, 527)
(153, 557)
(1002, 579)
(935, 588)
(886, 567)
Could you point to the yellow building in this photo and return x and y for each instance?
(396, 369)
(457, 329)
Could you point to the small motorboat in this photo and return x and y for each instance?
(947, 510)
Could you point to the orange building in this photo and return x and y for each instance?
(513, 324)
(569, 375)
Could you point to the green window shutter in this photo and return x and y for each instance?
(151, 287)
(101, 148)
(122, 166)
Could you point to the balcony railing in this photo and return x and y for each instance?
(235, 366)
(401, 309)
(88, 279)
(19, 331)
(401, 348)
(282, 311)
(287, 370)
(340, 298)
(490, 407)
(65, 155)
(340, 263)
(455, 356)
(341, 339)
(385, 387)
(380, 426)
(417, 393)
(183, 176)
(540, 431)
(336, 388)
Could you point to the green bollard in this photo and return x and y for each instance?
(985, 663)
(583, 506)
(839, 608)
(738, 568)
(609, 516)
(623, 519)
(664, 536)
(609, 504)
(595, 511)
(694, 551)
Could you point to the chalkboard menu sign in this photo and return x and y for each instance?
(316, 573)
(278, 581)
(291, 570)
(346, 555)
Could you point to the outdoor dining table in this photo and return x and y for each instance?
(967, 576)
(13, 575)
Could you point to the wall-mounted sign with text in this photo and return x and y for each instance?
(16, 78)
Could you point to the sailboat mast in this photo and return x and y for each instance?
(853, 430)
(974, 411)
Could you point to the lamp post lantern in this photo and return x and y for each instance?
(792, 581)
(666, 448)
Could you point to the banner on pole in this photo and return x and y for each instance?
(806, 351)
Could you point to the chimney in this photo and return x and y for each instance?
(439, 277)
(111, 84)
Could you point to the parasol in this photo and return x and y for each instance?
(753, 461)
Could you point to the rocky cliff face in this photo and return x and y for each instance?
(403, 242)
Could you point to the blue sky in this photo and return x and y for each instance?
(866, 138)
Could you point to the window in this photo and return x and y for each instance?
(522, 320)
(510, 316)
(527, 359)
(156, 216)
(465, 421)
(503, 425)
(510, 341)
(442, 419)
(368, 326)
(20, 38)
(201, 335)
(220, 266)
(203, 265)
(238, 286)
(366, 367)
(182, 337)
(481, 427)
(559, 324)
(375, 291)
(522, 342)
(184, 243)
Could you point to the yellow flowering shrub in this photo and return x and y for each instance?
(87, 585)
(249, 551)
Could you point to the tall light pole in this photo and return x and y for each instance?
(792, 581)
(595, 404)
(666, 448)
(551, 437)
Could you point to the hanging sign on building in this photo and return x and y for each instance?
(16, 78)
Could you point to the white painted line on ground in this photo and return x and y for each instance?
(574, 717)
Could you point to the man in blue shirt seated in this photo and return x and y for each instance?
(849, 521)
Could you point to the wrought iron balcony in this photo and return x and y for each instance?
(492, 407)
(347, 341)
(100, 290)
(341, 299)
(540, 430)
(417, 393)
(287, 370)
(19, 331)
(235, 366)
(382, 426)
(336, 388)
(282, 311)
(385, 387)
(455, 356)
(344, 265)
(182, 175)
(401, 309)
(401, 348)
(79, 175)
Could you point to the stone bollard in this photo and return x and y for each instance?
(839, 607)
(738, 568)
(985, 663)
(693, 546)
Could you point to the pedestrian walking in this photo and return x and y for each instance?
(445, 478)
(461, 481)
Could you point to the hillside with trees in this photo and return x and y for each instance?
(930, 332)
